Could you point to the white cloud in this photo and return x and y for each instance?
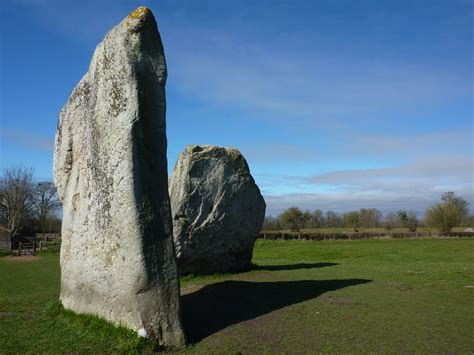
(412, 144)
(27, 139)
(447, 168)
(411, 186)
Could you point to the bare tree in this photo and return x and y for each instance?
(15, 198)
(318, 218)
(333, 220)
(408, 220)
(391, 221)
(45, 202)
(271, 223)
(306, 218)
(370, 217)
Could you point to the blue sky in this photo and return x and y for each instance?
(335, 104)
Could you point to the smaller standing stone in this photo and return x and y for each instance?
(217, 210)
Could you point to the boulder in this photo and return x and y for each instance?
(110, 169)
(217, 210)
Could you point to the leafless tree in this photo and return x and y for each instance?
(391, 221)
(370, 217)
(16, 194)
(408, 219)
(45, 202)
(333, 220)
(318, 218)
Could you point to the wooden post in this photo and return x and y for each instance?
(34, 247)
(19, 249)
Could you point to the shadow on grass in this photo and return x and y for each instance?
(292, 266)
(217, 306)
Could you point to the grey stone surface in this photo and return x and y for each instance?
(217, 210)
(110, 168)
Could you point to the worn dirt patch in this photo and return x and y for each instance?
(22, 258)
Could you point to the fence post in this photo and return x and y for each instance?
(19, 249)
(34, 247)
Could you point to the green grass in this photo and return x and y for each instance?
(33, 321)
(384, 296)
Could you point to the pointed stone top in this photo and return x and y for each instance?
(139, 12)
(138, 18)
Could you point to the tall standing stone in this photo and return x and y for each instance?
(110, 169)
(217, 210)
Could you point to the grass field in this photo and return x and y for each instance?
(369, 230)
(333, 296)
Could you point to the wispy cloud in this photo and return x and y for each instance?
(411, 186)
(449, 169)
(263, 153)
(412, 144)
(27, 139)
(309, 88)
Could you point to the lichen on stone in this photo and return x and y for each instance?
(139, 12)
(135, 16)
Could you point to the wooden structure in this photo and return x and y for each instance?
(25, 248)
(5, 243)
(29, 245)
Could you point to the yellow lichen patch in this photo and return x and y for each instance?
(139, 12)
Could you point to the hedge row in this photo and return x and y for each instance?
(360, 235)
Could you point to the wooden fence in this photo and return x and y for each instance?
(41, 242)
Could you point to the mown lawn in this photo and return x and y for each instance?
(332, 296)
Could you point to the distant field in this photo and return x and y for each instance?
(367, 230)
(384, 296)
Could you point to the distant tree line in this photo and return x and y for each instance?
(26, 204)
(451, 211)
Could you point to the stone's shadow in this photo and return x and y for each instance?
(217, 306)
(292, 266)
